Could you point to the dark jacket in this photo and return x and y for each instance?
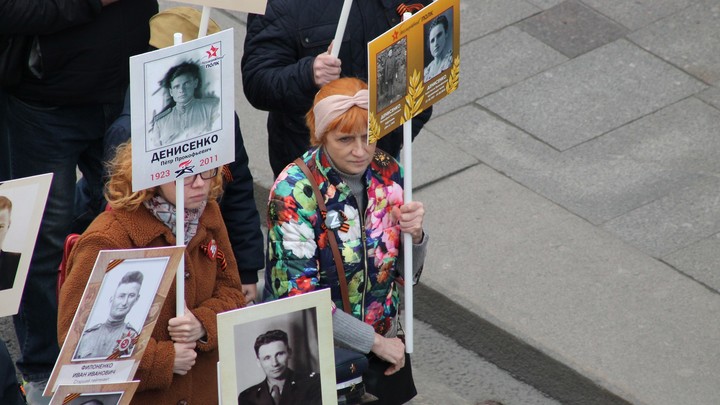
(280, 48)
(82, 49)
(241, 215)
(298, 390)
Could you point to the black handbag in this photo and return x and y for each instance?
(14, 54)
(397, 388)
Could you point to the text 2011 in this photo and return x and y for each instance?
(208, 160)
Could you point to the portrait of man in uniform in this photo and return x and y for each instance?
(115, 334)
(188, 114)
(282, 385)
(9, 261)
(438, 42)
(391, 73)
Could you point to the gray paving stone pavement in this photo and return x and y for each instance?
(573, 28)
(592, 94)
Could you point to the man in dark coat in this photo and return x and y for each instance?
(282, 386)
(70, 87)
(286, 61)
(8, 260)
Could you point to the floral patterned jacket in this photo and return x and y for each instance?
(300, 258)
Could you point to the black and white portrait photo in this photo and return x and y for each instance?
(438, 45)
(186, 104)
(278, 352)
(277, 360)
(191, 107)
(391, 74)
(118, 315)
(9, 261)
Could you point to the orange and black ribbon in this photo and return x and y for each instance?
(411, 8)
(219, 256)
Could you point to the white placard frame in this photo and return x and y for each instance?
(158, 265)
(28, 196)
(270, 315)
(158, 160)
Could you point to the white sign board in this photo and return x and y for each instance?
(22, 203)
(182, 103)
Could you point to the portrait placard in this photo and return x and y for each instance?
(182, 103)
(116, 316)
(412, 66)
(93, 394)
(22, 202)
(289, 339)
(248, 6)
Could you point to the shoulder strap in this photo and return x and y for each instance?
(331, 235)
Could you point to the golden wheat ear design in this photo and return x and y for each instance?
(454, 79)
(414, 98)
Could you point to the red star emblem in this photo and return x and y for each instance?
(212, 53)
(395, 35)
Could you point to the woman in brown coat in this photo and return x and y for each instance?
(179, 363)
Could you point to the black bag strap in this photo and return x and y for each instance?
(331, 235)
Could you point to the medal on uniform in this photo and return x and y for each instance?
(125, 342)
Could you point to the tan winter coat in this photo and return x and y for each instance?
(208, 291)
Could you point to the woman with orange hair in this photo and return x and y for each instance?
(179, 362)
(363, 217)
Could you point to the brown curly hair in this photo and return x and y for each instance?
(354, 120)
(118, 191)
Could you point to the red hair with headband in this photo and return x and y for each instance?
(347, 114)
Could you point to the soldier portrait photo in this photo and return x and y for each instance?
(438, 45)
(9, 261)
(119, 312)
(282, 384)
(391, 74)
(114, 334)
(189, 112)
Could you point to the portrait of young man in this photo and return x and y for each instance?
(115, 334)
(438, 43)
(282, 385)
(188, 114)
(9, 261)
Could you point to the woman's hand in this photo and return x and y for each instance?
(184, 357)
(411, 216)
(391, 350)
(186, 328)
